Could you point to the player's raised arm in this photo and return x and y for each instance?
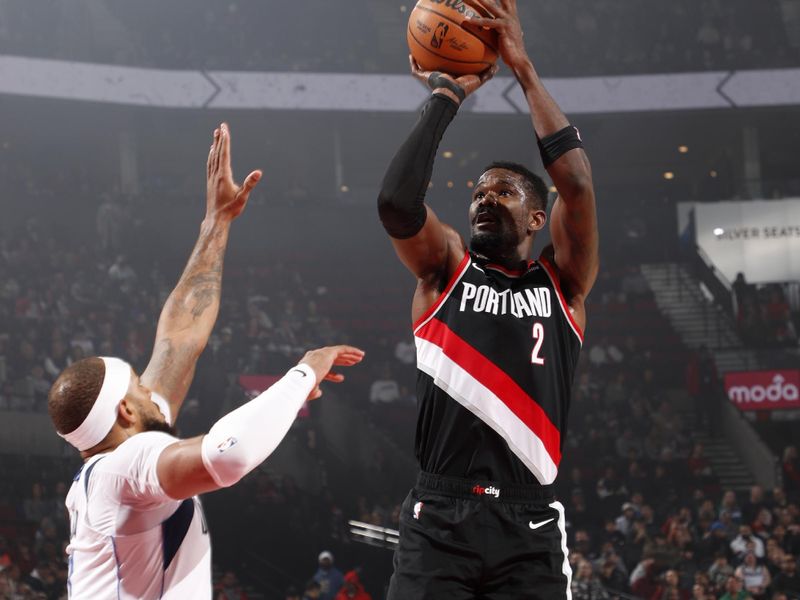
(573, 220)
(430, 249)
(191, 310)
(245, 437)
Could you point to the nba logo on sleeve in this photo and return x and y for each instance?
(227, 444)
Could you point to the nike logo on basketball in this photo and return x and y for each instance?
(533, 525)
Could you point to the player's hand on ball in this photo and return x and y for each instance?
(224, 197)
(323, 360)
(468, 83)
(505, 21)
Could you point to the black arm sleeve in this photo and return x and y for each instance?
(401, 202)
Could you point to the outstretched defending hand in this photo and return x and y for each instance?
(224, 197)
(505, 21)
(468, 83)
(324, 359)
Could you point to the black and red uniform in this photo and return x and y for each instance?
(496, 356)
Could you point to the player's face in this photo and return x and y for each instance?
(498, 213)
(150, 416)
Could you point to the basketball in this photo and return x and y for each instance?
(440, 39)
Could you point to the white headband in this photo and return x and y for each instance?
(103, 415)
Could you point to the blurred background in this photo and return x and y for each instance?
(680, 477)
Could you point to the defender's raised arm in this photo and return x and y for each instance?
(191, 310)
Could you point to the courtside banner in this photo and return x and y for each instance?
(253, 385)
(764, 390)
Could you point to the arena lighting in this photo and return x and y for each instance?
(669, 175)
(450, 184)
(683, 149)
(718, 231)
(447, 154)
(470, 184)
(345, 188)
(712, 173)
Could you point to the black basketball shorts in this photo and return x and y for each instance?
(462, 539)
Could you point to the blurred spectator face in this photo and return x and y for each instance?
(698, 592)
(789, 565)
(584, 570)
(734, 585)
(671, 578)
(750, 559)
(745, 531)
(756, 494)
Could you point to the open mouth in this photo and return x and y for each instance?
(484, 217)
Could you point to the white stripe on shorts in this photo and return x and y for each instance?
(565, 568)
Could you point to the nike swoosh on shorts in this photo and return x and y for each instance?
(533, 525)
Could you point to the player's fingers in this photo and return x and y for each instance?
(488, 7)
(315, 393)
(489, 73)
(250, 182)
(334, 377)
(348, 361)
(212, 150)
(225, 149)
(215, 154)
(486, 23)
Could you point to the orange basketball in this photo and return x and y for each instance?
(441, 40)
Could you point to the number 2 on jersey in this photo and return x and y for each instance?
(538, 335)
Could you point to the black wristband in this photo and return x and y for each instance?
(437, 80)
(555, 145)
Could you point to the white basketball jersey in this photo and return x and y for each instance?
(128, 539)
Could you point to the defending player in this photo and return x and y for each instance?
(498, 338)
(136, 525)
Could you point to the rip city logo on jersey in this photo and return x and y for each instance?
(439, 34)
(530, 302)
(479, 490)
(227, 444)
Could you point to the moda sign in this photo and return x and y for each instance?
(764, 390)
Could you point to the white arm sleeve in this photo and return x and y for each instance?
(242, 439)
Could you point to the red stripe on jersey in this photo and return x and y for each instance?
(510, 272)
(444, 295)
(495, 379)
(548, 268)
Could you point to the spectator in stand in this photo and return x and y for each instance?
(329, 578)
(788, 580)
(643, 579)
(292, 594)
(754, 504)
(734, 589)
(756, 577)
(313, 591)
(669, 588)
(719, 572)
(586, 585)
(625, 521)
(228, 588)
(791, 471)
(353, 589)
(385, 389)
(745, 541)
(730, 505)
(708, 388)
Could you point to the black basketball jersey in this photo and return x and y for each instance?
(496, 356)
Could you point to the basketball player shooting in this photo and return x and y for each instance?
(136, 525)
(498, 337)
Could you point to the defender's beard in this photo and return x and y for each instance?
(156, 425)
